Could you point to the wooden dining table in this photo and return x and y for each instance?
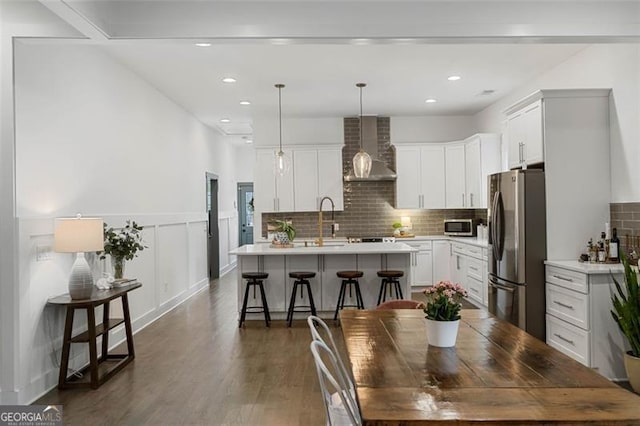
(495, 374)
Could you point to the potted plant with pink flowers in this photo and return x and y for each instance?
(444, 302)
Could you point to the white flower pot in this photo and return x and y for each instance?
(632, 365)
(442, 333)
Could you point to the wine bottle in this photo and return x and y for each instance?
(614, 247)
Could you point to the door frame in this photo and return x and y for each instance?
(238, 186)
(212, 217)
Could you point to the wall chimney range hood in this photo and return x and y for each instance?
(379, 169)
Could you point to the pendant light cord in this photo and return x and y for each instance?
(280, 86)
(361, 85)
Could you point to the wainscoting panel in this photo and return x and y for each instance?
(173, 261)
(197, 253)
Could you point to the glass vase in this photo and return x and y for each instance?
(117, 266)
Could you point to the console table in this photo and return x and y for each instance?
(98, 298)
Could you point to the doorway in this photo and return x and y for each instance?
(245, 213)
(213, 233)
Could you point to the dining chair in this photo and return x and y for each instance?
(315, 325)
(401, 304)
(340, 406)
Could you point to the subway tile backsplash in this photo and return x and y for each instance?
(626, 218)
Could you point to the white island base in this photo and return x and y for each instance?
(325, 262)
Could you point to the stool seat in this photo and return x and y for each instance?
(255, 275)
(302, 275)
(350, 274)
(390, 274)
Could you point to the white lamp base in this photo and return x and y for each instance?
(81, 279)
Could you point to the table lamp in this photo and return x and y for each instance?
(79, 235)
(405, 221)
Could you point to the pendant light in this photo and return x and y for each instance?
(362, 160)
(282, 161)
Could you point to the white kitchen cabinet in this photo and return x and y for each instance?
(273, 193)
(422, 264)
(441, 261)
(472, 174)
(421, 177)
(578, 317)
(482, 158)
(330, 176)
(455, 176)
(317, 174)
(526, 144)
(305, 178)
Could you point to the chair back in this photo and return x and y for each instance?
(401, 304)
(340, 405)
(316, 325)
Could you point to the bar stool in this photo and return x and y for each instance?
(389, 281)
(350, 279)
(255, 280)
(302, 280)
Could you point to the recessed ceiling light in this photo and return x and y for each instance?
(245, 103)
(228, 80)
(431, 101)
(248, 141)
(225, 120)
(203, 44)
(454, 78)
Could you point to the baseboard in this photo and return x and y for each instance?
(228, 268)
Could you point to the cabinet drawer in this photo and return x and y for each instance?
(474, 251)
(474, 288)
(568, 305)
(458, 248)
(568, 339)
(422, 245)
(567, 279)
(474, 269)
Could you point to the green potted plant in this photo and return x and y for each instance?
(397, 228)
(626, 313)
(285, 232)
(122, 245)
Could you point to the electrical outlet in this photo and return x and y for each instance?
(43, 252)
(336, 226)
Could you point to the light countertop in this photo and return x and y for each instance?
(418, 238)
(586, 267)
(330, 247)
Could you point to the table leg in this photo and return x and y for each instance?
(93, 353)
(127, 325)
(66, 347)
(105, 336)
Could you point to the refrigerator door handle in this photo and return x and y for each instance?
(501, 287)
(499, 229)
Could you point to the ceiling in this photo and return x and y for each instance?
(403, 50)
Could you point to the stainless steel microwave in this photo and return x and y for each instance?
(461, 227)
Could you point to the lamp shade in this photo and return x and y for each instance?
(405, 221)
(75, 235)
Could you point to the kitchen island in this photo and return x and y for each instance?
(325, 261)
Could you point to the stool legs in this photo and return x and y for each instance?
(302, 283)
(265, 307)
(343, 290)
(391, 285)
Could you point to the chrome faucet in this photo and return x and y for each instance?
(320, 240)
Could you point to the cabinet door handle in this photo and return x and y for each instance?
(274, 205)
(472, 268)
(564, 305)
(473, 289)
(471, 199)
(463, 199)
(569, 341)
(560, 277)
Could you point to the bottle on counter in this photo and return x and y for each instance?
(614, 247)
(602, 254)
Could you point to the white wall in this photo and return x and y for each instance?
(17, 19)
(431, 129)
(94, 138)
(297, 131)
(615, 66)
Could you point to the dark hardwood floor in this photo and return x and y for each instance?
(194, 366)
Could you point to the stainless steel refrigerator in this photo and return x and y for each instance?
(517, 249)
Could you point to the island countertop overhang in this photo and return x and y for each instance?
(347, 248)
